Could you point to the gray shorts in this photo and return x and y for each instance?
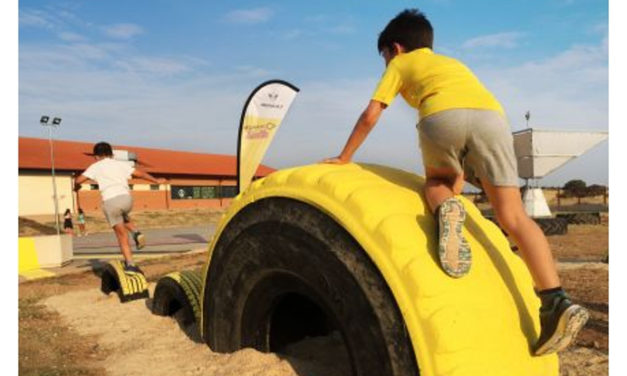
(117, 208)
(476, 142)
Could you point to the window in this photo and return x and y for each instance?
(154, 187)
(179, 192)
(130, 187)
(228, 191)
(93, 187)
(185, 192)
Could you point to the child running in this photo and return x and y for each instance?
(112, 178)
(464, 135)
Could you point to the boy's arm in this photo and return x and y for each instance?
(137, 173)
(367, 120)
(79, 180)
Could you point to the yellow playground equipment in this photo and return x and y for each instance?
(317, 249)
(129, 286)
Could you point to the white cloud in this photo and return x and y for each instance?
(249, 16)
(504, 40)
(123, 31)
(71, 37)
(34, 18)
(151, 65)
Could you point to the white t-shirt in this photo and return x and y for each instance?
(112, 177)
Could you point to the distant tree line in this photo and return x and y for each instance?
(573, 188)
(578, 188)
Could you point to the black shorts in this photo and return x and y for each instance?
(68, 224)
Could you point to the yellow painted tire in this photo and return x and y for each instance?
(128, 286)
(481, 324)
(176, 291)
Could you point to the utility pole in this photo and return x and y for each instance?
(56, 122)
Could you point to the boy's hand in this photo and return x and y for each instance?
(336, 160)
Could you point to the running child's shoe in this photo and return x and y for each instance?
(140, 240)
(129, 269)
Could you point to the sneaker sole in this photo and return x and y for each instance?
(570, 323)
(140, 241)
(453, 249)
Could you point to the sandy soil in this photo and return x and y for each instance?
(139, 342)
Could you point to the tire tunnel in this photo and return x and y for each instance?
(351, 249)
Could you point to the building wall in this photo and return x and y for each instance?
(144, 198)
(35, 193)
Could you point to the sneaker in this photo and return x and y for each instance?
(453, 249)
(130, 269)
(140, 240)
(560, 324)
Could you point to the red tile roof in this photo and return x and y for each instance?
(34, 153)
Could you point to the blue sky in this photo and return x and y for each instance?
(175, 74)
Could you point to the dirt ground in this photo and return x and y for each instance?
(96, 222)
(68, 327)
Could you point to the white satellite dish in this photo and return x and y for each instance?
(540, 152)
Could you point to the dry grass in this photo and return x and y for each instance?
(96, 222)
(582, 242)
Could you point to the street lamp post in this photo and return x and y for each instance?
(56, 122)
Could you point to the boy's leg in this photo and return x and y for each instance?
(560, 319)
(532, 244)
(442, 184)
(122, 237)
(115, 210)
(138, 237)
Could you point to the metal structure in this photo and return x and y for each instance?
(540, 152)
(56, 122)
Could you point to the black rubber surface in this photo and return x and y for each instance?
(282, 270)
(552, 226)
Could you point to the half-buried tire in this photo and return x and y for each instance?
(282, 271)
(176, 291)
(129, 286)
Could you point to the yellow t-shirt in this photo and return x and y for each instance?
(432, 83)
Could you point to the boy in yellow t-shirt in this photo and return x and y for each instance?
(464, 135)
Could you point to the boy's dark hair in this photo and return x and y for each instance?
(410, 29)
(103, 149)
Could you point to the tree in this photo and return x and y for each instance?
(575, 188)
(596, 190)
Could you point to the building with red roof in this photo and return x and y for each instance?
(194, 180)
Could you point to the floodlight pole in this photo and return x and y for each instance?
(55, 122)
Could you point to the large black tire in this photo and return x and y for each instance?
(282, 270)
(553, 226)
(582, 218)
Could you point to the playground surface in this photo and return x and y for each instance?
(99, 336)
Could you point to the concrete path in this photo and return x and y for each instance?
(164, 240)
